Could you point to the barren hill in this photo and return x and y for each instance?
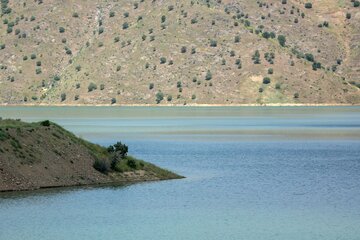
(179, 52)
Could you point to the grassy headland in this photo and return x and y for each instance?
(43, 155)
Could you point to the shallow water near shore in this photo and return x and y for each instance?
(251, 173)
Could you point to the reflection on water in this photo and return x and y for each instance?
(252, 173)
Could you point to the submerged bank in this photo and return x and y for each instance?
(45, 155)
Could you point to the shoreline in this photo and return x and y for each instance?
(187, 105)
(89, 185)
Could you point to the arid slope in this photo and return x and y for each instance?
(179, 52)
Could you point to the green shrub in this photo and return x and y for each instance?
(270, 71)
(61, 29)
(45, 123)
(113, 100)
(131, 163)
(101, 166)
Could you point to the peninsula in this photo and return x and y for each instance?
(45, 155)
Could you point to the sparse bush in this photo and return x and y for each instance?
(63, 97)
(57, 78)
(256, 57)
(208, 76)
(266, 80)
(61, 29)
(113, 100)
(282, 40)
(101, 166)
(75, 15)
(45, 123)
(270, 71)
(213, 43)
(131, 163)
(151, 86)
(183, 49)
(112, 14)
(159, 97)
(162, 60)
(125, 25)
(92, 87)
(308, 5)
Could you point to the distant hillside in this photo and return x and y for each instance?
(179, 52)
(41, 155)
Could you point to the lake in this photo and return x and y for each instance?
(269, 173)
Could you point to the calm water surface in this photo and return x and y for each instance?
(252, 173)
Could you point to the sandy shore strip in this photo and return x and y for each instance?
(187, 105)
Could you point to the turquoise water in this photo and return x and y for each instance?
(252, 173)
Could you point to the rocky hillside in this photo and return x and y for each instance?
(179, 52)
(42, 155)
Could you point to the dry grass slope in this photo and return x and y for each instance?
(179, 52)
